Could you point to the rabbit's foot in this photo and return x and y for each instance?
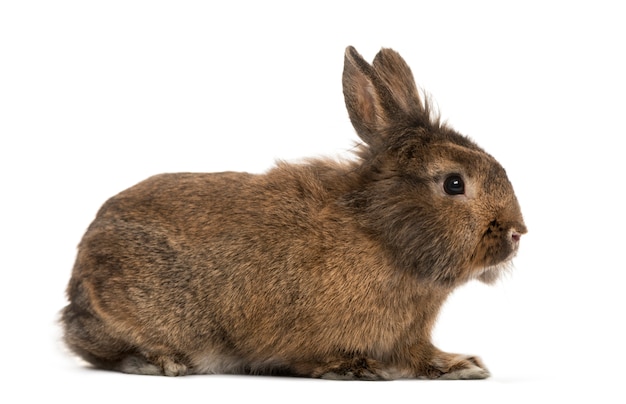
(352, 369)
(154, 366)
(446, 366)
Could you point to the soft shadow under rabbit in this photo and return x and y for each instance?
(320, 269)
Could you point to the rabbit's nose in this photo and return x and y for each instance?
(517, 231)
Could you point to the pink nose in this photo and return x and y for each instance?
(516, 236)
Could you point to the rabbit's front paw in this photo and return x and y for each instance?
(447, 366)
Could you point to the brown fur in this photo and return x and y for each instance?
(320, 269)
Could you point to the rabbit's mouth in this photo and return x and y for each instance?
(497, 248)
(492, 273)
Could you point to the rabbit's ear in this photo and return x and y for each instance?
(380, 95)
(366, 97)
(398, 79)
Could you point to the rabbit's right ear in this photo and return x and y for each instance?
(380, 95)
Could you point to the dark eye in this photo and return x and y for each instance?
(454, 185)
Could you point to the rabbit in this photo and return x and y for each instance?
(319, 268)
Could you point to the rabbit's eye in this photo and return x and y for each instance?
(454, 185)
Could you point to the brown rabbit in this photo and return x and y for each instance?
(320, 269)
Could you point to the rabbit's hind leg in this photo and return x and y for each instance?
(88, 337)
(102, 345)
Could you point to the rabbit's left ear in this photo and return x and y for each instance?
(379, 96)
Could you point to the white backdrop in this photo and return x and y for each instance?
(96, 96)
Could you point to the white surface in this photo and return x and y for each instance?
(96, 97)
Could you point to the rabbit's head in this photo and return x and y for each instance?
(442, 207)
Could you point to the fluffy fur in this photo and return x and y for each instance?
(322, 269)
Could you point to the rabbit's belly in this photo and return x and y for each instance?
(216, 363)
